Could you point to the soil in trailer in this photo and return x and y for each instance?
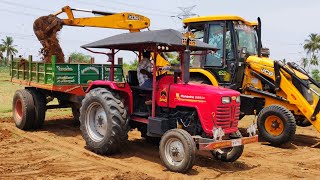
(46, 29)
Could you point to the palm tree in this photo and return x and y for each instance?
(312, 46)
(314, 61)
(8, 47)
(304, 62)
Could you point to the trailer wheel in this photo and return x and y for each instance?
(40, 108)
(76, 113)
(276, 124)
(23, 109)
(104, 121)
(229, 154)
(177, 150)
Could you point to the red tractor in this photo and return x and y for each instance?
(186, 116)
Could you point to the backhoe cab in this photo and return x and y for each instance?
(279, 93)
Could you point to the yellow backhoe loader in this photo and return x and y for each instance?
(280, 94)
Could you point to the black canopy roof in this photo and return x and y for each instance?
(149, 40)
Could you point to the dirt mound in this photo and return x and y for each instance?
(46, 28)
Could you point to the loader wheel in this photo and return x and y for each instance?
(23, 109)
(229, 154)
(104, 121)
(302, 121)
(177, 150)
(40, 108)
(276, 124)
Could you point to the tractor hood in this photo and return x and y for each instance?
(267, 62)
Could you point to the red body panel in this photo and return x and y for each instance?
(124, 91)
(206, 99)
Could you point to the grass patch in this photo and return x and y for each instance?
(7, 90)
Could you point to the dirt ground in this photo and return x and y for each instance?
(57, 151)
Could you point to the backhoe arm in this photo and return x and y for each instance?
(126, 20)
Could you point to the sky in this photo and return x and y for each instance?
(285, 24)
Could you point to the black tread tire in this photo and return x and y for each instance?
(288, 120)
(189, 147)
(117, 118)
(302, 121)
(231, 155)
(40, 108)
(76, 114)
(28, 110)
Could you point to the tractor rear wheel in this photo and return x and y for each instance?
(177, 150)
(40, 108)
(229, 154)
(276, 124)
(104, 121)
(23, 109)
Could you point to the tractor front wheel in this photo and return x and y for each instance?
(229, 154)
(104, 121)
(276, 124)
(177, 150)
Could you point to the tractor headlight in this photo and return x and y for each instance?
(238, 99)
(226, 100)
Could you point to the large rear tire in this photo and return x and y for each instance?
(104, 121)
(40, 108)
(276, 124)
(23, 109)
(229, 154)
(177, 150)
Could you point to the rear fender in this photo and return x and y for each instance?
(124, 92)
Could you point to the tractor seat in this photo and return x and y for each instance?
(133, 78)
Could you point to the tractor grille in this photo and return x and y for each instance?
(227, 116)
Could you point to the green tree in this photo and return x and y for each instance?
(314, 60)
(312, 46)
(77, 57)
(130, 66)
(8, 47)
(1, 57)
(316, 75)
(304, 62)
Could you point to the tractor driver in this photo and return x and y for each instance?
(144, 71)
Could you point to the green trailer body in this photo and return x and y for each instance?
(63, 74)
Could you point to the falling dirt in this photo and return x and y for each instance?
(58, 151)
(46, 29)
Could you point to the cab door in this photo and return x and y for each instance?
(222, 63)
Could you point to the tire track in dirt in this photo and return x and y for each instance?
(80, 152)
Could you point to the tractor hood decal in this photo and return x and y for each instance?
(190, 98)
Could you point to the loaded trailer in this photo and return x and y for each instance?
(45, 81)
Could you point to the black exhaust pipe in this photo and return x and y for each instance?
(259, 37)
